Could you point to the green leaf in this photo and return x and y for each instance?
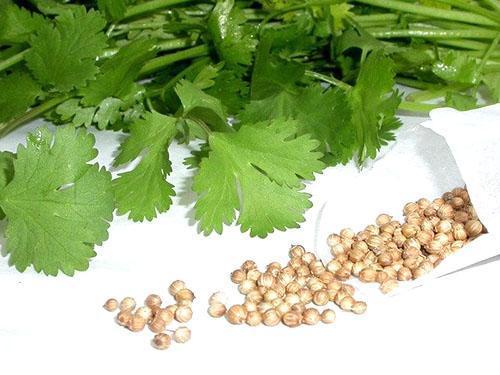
(233, 41)
(58, 205)
(460, 101)
(198, 105)
(108, 113)
(455, 66)
(271, 74)
(118, 74)
(6, 173)
(259, 172)
(206, 77)
(17, 24)
(144, 191)
(72, 112)
(339, 13)
(64, 56)
(330, 126)
(231, 88)
(492, 81)
(374, 104)
(113, 9)
(352, 38)
(53, 7)
(18, 92)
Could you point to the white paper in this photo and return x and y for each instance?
(451, 150)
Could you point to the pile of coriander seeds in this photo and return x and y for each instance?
(389, 251)
(283, 294)
(156, 317)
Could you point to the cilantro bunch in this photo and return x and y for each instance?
(268, 93)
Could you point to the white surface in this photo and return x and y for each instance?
(56, 325)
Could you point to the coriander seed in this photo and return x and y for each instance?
(254, 318)
(176, 286)
(111, 305)
(161, 341)
(182, 335)
(311, 316)
(217, 310)
(328, 316)
(183, 314)
(127, 304)
(153, 300)
(236, 314)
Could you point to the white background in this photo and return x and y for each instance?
(57, 326)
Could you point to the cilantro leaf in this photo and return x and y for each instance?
(199, 105)
(257, 171)
(330, 126)
(339, 13)
(374, 104)
(457, 67)
(17, 24)
(71, 112)
(118, 74)
(6, 172)
(144, 191)
(230, 88)
(460, 101)
(272, 74)
(492, 81)
(108, 112)
(18, 92)
(234, 42)
(64, 55)
(113, 9)
(58, 205)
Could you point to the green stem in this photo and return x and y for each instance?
(455, 15)
(417, 107)
(417, 84)
(166, 45)
(293, 8)
(31, 114)
(488, 53)
(140, 25)
(193, 67)
(493, 4)
(13, 60)
(328, 79)
(433, 34)
(424, 96)
(465, 44)
(151, 6)
(163, 61)
(378, 17)
(461, 4)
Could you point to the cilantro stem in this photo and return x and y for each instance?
(160, 62)
(328, 79)
(33, 113)
(434, 34)
(417, 84)
(466, 44)
(493, 4)
(473, 8)
(454, 15)
(165, 45)
(488, 53)
(13, 60)
(379, 17)
(417, 107)
(293, 8)
(423, 96)
(150, 6)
